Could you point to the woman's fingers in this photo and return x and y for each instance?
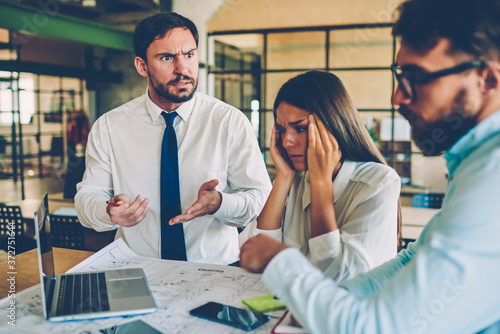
(273, 136)
(313, 133)
(323, 146)
(324, 134)
(333, 141)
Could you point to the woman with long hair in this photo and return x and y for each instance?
(334, 197)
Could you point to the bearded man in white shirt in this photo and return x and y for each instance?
(223, 181)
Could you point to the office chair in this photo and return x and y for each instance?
(11, 220)
(67, 232)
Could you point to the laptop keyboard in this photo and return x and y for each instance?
(82, 293)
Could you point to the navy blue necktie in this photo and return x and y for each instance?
(173, 246)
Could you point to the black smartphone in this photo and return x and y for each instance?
(229, 315)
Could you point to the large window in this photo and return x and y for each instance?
(252, 66)
(34, 113)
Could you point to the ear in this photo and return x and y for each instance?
(491, 77)
(141, 66)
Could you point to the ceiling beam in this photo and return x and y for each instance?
(48, 23)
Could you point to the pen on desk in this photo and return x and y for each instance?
(112, 203)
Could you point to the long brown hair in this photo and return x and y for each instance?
(323, 94)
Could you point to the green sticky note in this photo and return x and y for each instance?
(264, 304)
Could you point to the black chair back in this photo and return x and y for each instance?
(12, 236)
(67, 232)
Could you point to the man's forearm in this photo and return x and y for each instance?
(91, 210)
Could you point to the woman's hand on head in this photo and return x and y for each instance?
(323, 153)
(284, 166)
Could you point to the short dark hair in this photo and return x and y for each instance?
(156, 27)
(472, 26)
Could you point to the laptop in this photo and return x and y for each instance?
(91, 295)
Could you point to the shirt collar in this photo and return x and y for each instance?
(471, 141)
(339, 184)
(184, 110)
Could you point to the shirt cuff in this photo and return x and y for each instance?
(325, 246)
(227, 205)
(251, 230)
(102, 215)
(283, 269)
(275, 234)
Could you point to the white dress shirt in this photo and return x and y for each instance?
(215, 141)
(366, 207)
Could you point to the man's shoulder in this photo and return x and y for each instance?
(119, 115)
(204, 101)
(484, 159)
(130, 106)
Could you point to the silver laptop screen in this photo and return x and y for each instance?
(44, 239)
(44, 244)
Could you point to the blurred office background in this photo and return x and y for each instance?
(64, 63)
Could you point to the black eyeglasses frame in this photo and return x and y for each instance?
(407, 82)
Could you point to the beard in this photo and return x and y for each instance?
(170, 93)
(434, 138)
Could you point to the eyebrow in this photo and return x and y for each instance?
(163, 54)
(294, 123)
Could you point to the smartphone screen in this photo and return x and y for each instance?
(229, 315)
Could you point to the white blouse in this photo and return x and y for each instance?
(366, 207)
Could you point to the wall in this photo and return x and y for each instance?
(256, 14)
(109, 96)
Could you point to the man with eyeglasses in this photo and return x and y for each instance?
(448, 73)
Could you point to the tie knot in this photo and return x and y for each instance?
(169, 117)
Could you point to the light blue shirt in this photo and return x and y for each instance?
(448, 281)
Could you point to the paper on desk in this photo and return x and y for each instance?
(66, 211)
(177, 287)
(115, 255)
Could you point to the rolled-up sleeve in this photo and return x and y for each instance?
(366, 240)
(96, 186)
(251, 230)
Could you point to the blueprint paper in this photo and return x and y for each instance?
(177, 287)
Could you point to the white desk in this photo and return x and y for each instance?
(415, 219)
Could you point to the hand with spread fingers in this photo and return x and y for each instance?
(284, 167)
(209, 201)
(272, 212)
(324, 161)
(323, 154)
(124, 213)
